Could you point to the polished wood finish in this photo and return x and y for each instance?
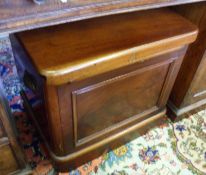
(24, 14)
(189, 90)
(73, 150)
(103, 94)
(84, 155)
(113, 101)
(76, 53)
(96, 78)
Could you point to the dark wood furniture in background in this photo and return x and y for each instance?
(11, 156)
(106, 80)
(189, 91)
(21, 15)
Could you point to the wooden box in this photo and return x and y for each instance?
(104, 79)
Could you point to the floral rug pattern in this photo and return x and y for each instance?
(191, 139)
(155, 153)
(169, 149)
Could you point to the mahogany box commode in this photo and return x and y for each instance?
(105, 79)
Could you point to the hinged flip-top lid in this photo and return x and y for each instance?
(74, 51)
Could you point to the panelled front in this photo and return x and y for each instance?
(99, 108)
(105, 104)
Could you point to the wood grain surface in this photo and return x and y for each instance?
(79, 50)
(21, 15)
(105, 78)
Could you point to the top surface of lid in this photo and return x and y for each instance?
(59, 50)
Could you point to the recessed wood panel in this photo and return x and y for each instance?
(108, 103)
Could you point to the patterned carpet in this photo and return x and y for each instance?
(169, 149)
